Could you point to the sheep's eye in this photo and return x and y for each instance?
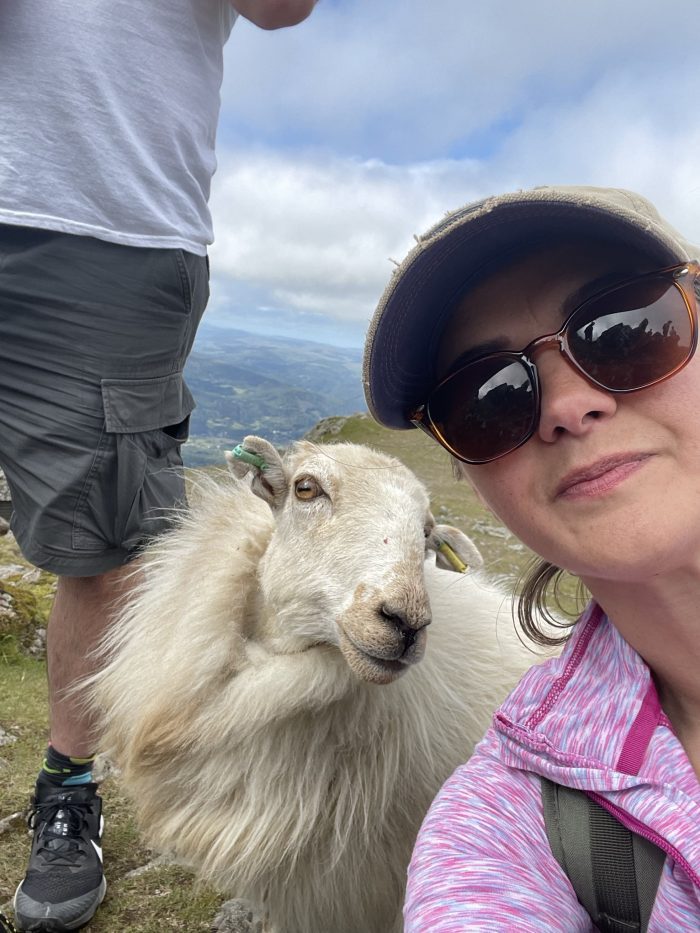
(307, 488)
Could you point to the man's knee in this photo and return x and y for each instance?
(101, 584)
(85, 607)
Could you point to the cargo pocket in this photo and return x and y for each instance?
(136, 476)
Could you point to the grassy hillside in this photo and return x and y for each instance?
(165, 898)
(274, 386)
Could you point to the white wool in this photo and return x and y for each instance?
(251, 747)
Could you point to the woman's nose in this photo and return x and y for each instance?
(570, 404)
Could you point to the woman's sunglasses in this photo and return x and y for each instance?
(623, 339)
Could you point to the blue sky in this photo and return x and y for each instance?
(343, 136)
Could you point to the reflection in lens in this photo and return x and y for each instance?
(485, 409)
(633, 336)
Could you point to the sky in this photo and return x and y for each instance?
(344, 136)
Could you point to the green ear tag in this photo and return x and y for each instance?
(247, 456)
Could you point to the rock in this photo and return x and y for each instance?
(9, 822)
(103, 769)
(495, 531)
(25, 603)
(5, 505)
(328, 427)
(4, 488)
(6, 738)
(37, 649)
(12, 570)
(237, 917)
(31, 575)
(149, 866)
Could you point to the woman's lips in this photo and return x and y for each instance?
(601, 476)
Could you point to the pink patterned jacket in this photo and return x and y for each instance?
(590, 719)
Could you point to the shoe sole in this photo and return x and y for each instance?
(47, 924)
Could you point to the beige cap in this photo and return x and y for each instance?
(402, 339)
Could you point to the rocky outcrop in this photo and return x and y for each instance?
(328, 428)
(5, 505)
(26, 596)
(24, 610)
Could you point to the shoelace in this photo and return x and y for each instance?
(6, 926)
(63, 844)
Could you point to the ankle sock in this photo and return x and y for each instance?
(63, 771)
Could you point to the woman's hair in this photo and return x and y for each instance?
(540, 590)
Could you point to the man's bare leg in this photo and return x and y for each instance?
(83, 610)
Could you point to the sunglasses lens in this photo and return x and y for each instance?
(628, 338)
(633, 336)
(485, 409)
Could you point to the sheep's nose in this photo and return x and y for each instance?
(407, 627)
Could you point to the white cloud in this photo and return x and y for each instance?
(315, 234)
(594, 93)
(318, 232)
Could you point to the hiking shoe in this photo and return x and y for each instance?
(64, 884)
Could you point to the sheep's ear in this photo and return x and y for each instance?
(454, 550)
(258, 456)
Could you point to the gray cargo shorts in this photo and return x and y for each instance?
(93, 406)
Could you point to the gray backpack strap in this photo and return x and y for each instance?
(614, 872)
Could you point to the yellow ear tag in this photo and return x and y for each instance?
(456, 562)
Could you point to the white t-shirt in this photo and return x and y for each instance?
(108, 116)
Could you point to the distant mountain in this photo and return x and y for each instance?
(274, 386)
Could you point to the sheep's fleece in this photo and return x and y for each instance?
(294, 679)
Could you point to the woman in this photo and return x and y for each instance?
(586, 444)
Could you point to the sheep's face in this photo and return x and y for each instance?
(348, 551)
(345, 565)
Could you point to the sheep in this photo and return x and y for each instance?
(262, 693)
